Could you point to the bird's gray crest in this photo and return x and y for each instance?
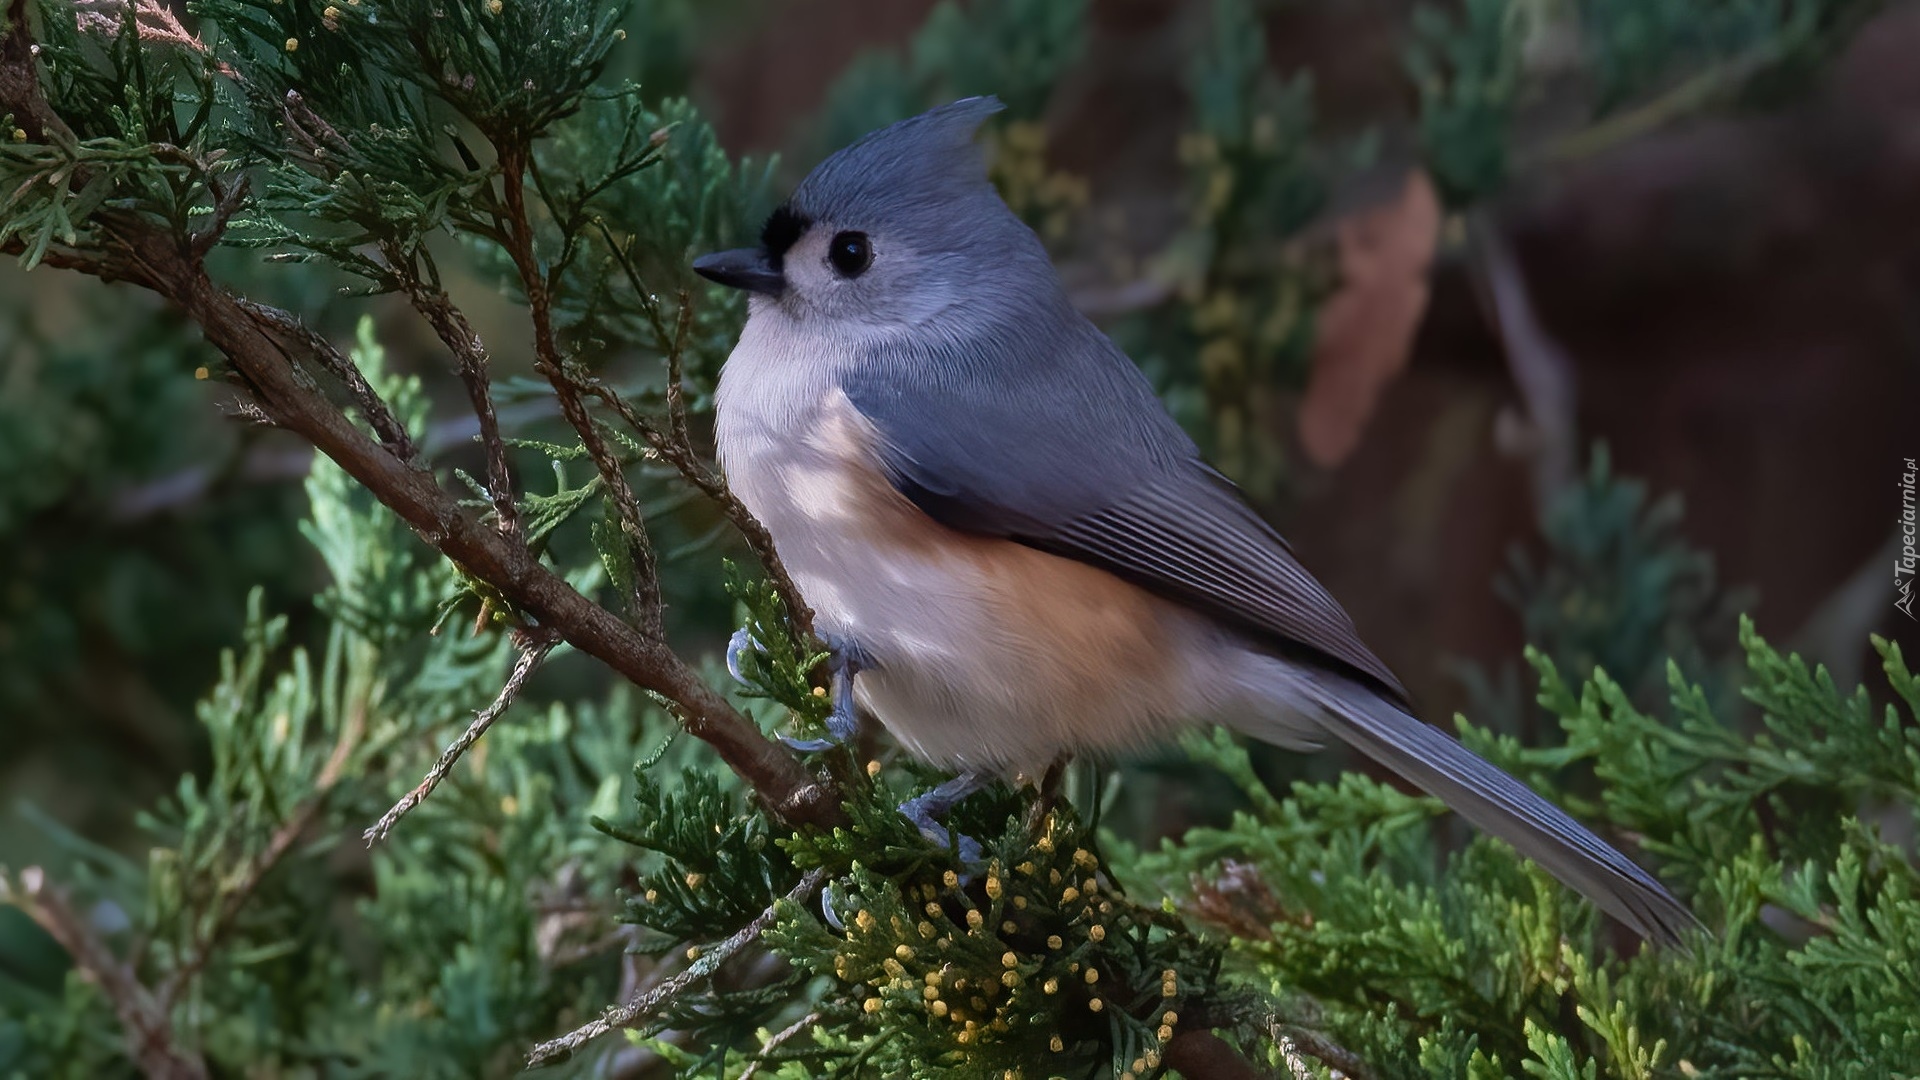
(913, 169)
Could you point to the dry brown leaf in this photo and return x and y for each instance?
(1237, 900)
(1366, 330)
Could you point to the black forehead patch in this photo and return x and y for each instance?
(783, 229)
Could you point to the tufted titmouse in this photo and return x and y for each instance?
(994, 516)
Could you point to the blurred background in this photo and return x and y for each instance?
(1590, 325)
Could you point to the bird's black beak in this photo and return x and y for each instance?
(742, 268)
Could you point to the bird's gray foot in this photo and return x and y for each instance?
(739, 646)
(829, 907)
(844, 660)
(928, 811)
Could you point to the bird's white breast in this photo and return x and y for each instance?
(987, 654)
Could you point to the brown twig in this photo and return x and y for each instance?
(321, 148)
(675, 445)
(20, 92)
(284, 837)
(143, 1016)
(1548, 437)
(638, 1009)
(687, 462)
(523, 668)
(1313, 1044)
(778, 1040)
(154, 22)
(226, 203)
(645, 601)
(676, 375)
(471, 361)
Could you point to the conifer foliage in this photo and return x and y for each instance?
(729, 906)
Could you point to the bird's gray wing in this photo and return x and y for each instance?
(1069, 451)
(1077, 457)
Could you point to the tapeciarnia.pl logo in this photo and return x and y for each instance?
(1903, 566)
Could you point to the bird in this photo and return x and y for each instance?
(1012, 549)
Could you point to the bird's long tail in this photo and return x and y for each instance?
(1501, 805)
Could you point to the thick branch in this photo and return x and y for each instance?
(308, 342)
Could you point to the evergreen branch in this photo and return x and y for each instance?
(261, 344)
(261, 864)
(144, 1017)
(471, 361)
(1692, 96)
(676, 375)
(643, 294)
(776, 775)
(154, 22)
(530, 659)
(638, 1009)
(644, 598)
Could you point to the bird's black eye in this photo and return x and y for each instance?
(850, 254)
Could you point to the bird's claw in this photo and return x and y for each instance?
(968, 849)
(843, 721)
(844, 660)
(829, 900)
(926, 811)
(741, 643)
(809, 746)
